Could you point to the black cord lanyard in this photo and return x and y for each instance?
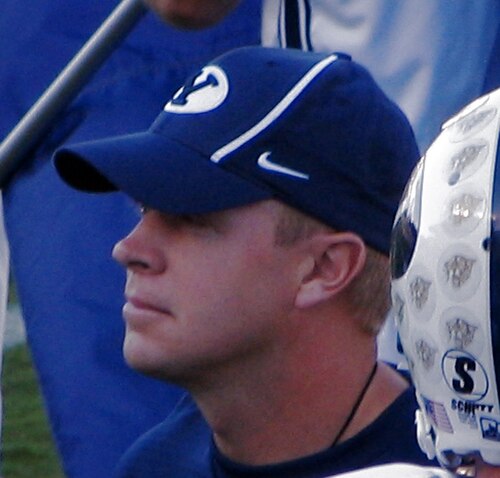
(356, 404)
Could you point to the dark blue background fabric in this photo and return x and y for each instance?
(492, 77)
(70, 289)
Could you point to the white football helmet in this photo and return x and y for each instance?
(445, 261)
(397, 470)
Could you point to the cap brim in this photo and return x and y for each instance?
(155, 171)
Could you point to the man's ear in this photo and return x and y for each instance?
(338, 259)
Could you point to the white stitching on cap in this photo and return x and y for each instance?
(275, 112)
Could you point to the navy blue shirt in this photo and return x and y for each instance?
(182, 446)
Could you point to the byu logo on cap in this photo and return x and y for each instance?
(203, 92)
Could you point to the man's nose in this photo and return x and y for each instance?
(136, 253)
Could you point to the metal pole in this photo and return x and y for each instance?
(36, 122)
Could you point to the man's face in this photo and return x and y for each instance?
(206, 293)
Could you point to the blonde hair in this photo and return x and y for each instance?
(293, 226)
(369, 293)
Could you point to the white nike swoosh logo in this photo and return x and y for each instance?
(264, 163)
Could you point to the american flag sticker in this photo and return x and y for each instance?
(438, 415)
(490, 429)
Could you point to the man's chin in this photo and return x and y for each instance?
(138, 357)
(144, 361)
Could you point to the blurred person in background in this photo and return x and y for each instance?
(415, 49)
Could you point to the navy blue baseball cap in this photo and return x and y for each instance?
(312, 130)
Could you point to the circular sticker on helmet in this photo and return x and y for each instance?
(398, 313)
(474, 105)
(463, 212)
(464, 375)
(421, 293)
(459, 272)
(460, 163)
(201, 93)
(471, 124)
(425, 357)
(471, 120)
(460, 330)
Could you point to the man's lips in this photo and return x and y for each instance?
(138, 309)
(140, 304)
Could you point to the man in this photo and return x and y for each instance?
(257, 276)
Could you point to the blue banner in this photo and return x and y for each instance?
(70, 289)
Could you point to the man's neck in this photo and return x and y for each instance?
(277, 419)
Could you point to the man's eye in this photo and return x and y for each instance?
(142, 209)
(194, 219)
